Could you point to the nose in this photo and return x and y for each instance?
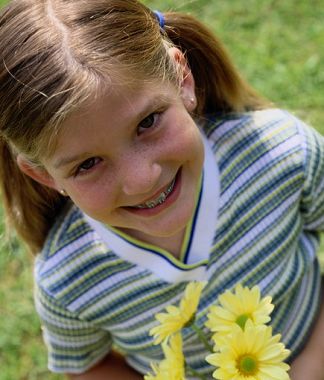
(139, 176)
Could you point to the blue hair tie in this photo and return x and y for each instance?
(159, 16)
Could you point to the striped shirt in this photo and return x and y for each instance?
(259, 209)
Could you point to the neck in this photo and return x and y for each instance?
(171, 244)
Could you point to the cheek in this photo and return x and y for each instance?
(92, 196)
(184, 141)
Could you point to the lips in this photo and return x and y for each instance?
(159, 202)
(161, 198)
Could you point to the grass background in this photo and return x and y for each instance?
(278, 47)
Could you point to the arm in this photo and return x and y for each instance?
(312, 200)
(310, 362)
(113, 367)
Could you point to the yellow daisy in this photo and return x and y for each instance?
(238, 307)
(250, 354)
(175, 317)
(172, 367)
(156, 375)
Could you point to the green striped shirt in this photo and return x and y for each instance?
(258, 213)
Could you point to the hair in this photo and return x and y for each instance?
(56, 54)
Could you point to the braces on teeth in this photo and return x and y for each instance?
(163, 196)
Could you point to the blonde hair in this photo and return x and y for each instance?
(56, 54)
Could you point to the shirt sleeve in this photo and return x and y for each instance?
(73, 345)
(312, 202)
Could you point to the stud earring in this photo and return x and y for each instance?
(191, 103)
(63, 192)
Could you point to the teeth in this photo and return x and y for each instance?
(159, 200)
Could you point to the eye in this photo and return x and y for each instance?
(87, 165)
(150, 121)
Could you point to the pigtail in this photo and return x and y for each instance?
(30, 208)
(219, 86)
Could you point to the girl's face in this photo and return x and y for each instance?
(132, 159)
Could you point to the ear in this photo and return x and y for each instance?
(37, 173)
(187, 83)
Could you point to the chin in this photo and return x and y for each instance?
(169, 230)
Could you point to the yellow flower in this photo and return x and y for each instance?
(250, 354)
(172, 367)
(157, 375)
(238, 307)
(177, 317)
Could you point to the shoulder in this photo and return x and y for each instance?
(71, 253)
(250, 134)
(70, 230)
(237, 125)
(258, 148)
(287, 135)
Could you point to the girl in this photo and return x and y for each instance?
(135, 159)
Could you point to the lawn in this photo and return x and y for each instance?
(278, 46)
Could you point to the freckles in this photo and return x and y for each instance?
(185, 144)
(92, 194)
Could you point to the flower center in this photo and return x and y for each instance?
(241, 320)
(247, 365)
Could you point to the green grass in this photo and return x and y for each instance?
(278, 47)
(22, 354)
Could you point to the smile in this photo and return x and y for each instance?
(159, 200)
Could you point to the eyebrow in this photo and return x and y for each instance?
(159, 100)
(151, 104)
(69, 160)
